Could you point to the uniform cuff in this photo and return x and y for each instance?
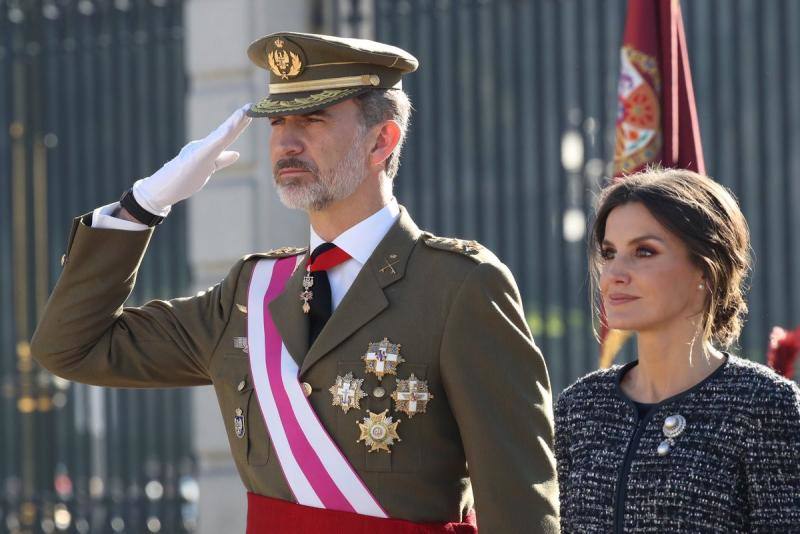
(102, 218)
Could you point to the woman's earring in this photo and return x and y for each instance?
(701, 287)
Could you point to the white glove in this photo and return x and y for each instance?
(189, 171)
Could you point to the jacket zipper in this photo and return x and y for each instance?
(622, 482)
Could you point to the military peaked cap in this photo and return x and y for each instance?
(308, 72)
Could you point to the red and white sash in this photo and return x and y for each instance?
(316, 470)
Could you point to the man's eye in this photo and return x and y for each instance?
(275, 122)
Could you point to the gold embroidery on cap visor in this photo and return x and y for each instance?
(302, 104)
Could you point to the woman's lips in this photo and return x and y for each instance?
(616, 299)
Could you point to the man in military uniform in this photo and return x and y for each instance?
(383, 380)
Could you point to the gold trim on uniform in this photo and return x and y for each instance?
(411, 396)
(347, 392)
(301, 103)
(382, 358)
(378, 431)
(363, 80)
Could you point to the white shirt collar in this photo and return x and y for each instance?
(361, 240)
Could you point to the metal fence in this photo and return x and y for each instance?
(513, 131)
(91, 96)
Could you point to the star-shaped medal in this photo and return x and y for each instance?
(411, 396)
(347, 392)
(382, 358)
(378, 431)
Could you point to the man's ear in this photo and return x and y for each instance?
(385, 143)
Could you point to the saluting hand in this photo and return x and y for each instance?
(189, 171)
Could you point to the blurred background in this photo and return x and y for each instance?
(512, 137)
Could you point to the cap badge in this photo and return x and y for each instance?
(347, 392)
(283, 62)
(411, 396)
(382, 358)
(378, 431)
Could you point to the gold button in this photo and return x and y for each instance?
(240, 386)
(378, 392)
(306, 389)
(63, 259)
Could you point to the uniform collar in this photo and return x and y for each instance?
(361, 240)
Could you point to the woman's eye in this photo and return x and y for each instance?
(607, 254)
(644, 252)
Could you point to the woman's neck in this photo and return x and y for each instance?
(669, 363)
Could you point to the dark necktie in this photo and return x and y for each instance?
(325, 256)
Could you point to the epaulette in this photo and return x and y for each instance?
(282, 252)
(461, 246)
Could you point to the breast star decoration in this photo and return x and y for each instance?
(382, 358)
(347, 392)
(411, 396)
(378, 431)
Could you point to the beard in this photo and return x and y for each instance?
(325, 187)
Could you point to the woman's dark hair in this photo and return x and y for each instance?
(705, 216)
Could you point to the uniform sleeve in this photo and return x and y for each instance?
(773, 462)
(497, 385)
(86, 335)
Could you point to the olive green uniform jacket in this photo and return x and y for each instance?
(485, 440)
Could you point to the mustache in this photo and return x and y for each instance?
(293, 163)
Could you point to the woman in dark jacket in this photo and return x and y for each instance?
(688, 438)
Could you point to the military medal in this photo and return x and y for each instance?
(307, 294)
(238, 423)
(411, 396)
(347, 392)
(378, 431)
(382, 358)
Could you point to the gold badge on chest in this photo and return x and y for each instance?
(378, 431)
(411, 396)
(382, 358)
(347, 392)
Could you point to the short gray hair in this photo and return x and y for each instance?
(380, 105)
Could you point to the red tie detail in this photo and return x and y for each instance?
(328, 259)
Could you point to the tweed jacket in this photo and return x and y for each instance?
(734, 468)
(455, 310)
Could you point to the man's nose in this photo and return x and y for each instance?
(286, 142)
